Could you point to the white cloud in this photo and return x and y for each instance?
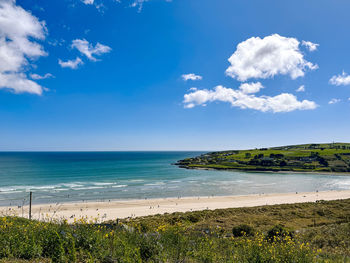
(19, 83)
(88, 2)
(301, 89)
(267, 57)
(37, 76)
(310, 46)
(73, 64)
(191, 76)
(338, 80)
(251, 87)
(284, 102)
(88, 49)
(334, 101)
(19, 32)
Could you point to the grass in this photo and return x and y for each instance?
(308, 232)
(292, 216)
(333, 157)
(84, 242)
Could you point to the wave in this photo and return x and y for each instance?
(119, 186)
(71, 185)
(55, 187)
(155, 184)
(340, 184)
(88, 188)
(103, 184)
(10, 192)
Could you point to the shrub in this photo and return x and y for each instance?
(283, 163)
(279, 231)
(193, 218)
(242, 230)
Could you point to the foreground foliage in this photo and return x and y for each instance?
(309, 232)
(83, 242)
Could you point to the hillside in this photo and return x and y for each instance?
(307, 232)
(331, 157)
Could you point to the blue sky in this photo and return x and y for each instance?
(129, 90)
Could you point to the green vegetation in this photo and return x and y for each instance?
(308, 232)
(332, 157)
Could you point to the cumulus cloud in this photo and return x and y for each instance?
(19, 83)
(310, 46)
(301, 89)
(284, 102)
(37, 76)
(334, 101)
(266, 57)
(340, 80)
(19, 33)
(191, 76)
(251, 87)
(88, 49)
(73, 64)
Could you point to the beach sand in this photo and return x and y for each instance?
(111, 210)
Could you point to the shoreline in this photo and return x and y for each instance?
(264, 171)
(111, 210)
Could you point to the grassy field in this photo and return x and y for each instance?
(332, 157)
(308, 232)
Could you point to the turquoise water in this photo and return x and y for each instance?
(76, 176)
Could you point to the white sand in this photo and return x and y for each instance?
(123, 209)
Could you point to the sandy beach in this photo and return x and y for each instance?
(111, 210)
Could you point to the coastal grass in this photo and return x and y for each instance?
(298, 216)
(325, 225)
(306, 232)
(84, 242)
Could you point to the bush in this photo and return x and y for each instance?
(283, 163)
(193, 218)
(242, 230)
(279, 231)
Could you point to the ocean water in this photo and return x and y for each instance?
(81, 176)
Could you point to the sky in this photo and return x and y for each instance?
(109, 75)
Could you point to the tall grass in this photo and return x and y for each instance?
(89, 242)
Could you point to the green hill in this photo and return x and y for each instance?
(329, 157)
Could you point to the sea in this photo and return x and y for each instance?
(56, 177)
